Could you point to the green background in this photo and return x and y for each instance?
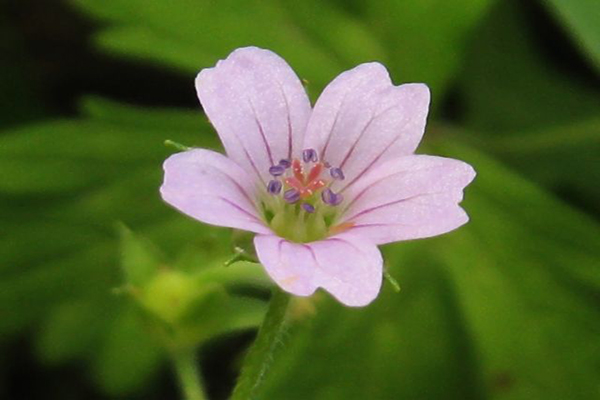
(507, 307)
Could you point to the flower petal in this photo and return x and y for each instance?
(409, 198)
(346, 266)
(258, 107)
(362, 119)
(211, 188)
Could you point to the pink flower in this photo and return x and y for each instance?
(320, 187)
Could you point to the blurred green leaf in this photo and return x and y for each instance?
(214, 312)
(84, 272)
(65, 156)
(240, 273)
(528, 112)
(510, 86)
(423, 41)
(23, 244)
(426, 40)
(581, 17)
(19, 98)
(189, 35)
(187, 123)
(529, 285)
(139, 258)
(563, 158)
(72, 331)
(128, 357)
(59, 247)
(350, 39)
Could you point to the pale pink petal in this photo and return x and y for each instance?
(211, 188)
(362, 119)
(409, 198)
(258, 106)
(347, 266)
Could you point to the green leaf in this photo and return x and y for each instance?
(348, 38)
(59, 243)
(243, 273)
(525, 271)
(28, 242)
(581, 17)
(63, 156)
(128, 357)
(72, 331)
(156, 120)
(563, 157)
(48, 283)
(426, 40)
(213, 312)
(508, 84)
(189, 36)
(423, 41)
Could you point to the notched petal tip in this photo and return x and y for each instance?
(348, 267)
(257, 105)
(408, 198)
(370, 68)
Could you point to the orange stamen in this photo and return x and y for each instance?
(315, 185)
(315, 172)
(294, 183)
(298, 170)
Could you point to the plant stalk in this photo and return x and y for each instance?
(188, 374)
(260, 356)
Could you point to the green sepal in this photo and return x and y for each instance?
(140, 261)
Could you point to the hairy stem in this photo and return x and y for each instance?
(260, 356)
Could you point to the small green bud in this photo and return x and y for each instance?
(168, 295)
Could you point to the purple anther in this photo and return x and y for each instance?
(277, 170)
(326, 164)
(274, 186)
(291, 195)
(309, 155)
(308, 208)
(331, 198)
(338, 199)
(336, 173)
(328, 196)
(285, 163)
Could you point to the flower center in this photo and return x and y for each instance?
(301, 206)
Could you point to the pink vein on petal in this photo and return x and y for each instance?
(239, 208)
(386, 148)
(337, 114)
(262, 132)
(362, 133)
(239, 187)
(391, 203)
(383, 178)
(289, 120)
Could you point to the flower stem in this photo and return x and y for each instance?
(188, 374)
(260, 356)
